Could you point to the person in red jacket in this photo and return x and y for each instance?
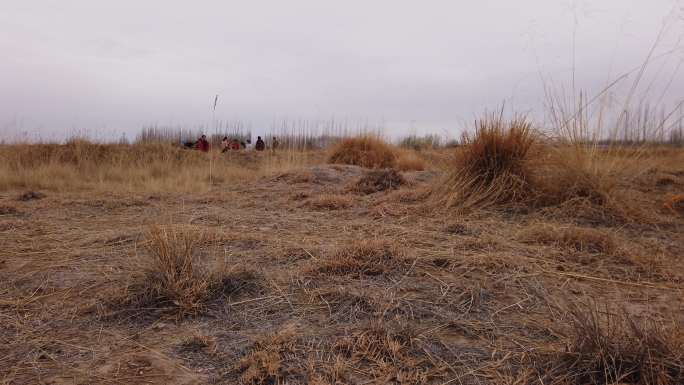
(202, 144)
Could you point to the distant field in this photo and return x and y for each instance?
(506, 260)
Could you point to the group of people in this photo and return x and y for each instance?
(227, 144)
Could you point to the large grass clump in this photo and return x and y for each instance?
(172, 276)
(491, 167)
(364, 151)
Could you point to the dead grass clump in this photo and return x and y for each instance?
(264, 364)
(369, 258)
(379, 180)
(173, 276)
(330, 202)
(589, 182)
(385, 352)
(609, 348)
(580, 239)
(576, 173)
(364, 151)
(491, 168)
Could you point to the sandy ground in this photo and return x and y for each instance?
(463, 300)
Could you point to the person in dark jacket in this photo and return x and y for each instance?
(202, 144)
(260, 145)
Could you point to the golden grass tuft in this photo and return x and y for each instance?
(491, 168)
(364, 151)
(379, 180)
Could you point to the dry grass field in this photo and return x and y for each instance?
(508, 260)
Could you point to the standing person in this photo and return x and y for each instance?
(225, 144)
(275, 144)
(202, 144)
(260, 145)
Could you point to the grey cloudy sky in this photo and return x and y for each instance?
(113, 66)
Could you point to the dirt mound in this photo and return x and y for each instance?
(379, 180)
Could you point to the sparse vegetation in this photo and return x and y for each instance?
(275, 270)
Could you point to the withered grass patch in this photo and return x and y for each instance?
(265, 363)
(580, 239)
(364, 258)
(379, 180)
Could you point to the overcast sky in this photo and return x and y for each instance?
(431, 66)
